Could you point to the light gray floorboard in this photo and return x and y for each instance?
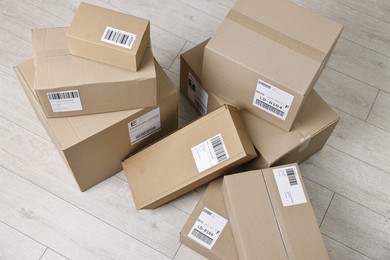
(380, 113)
(44, 216)
(358, 227)
(17, 246)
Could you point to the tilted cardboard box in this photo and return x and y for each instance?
(207, 230)
(188, 158)
(67, 85)
(93, 146)
(108, 36)
(266, 56)
(271, 216)
(312, 128)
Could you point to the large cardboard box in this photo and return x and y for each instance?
(266, 56)
(188, 158)
(108, 36)
(207, 230)
(311, 129)
(93, 146)
(67, 85)
(271, 216)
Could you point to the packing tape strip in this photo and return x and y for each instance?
(276, 36)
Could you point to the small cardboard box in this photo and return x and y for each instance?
(93, 146)
(67, 85)
(266, 56)
(207, 230)
(271, 216)
(311, 129)
(108, 36)
(188, 158)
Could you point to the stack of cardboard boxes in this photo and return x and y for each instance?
(102, 97)
(98, 91)
(265, 59)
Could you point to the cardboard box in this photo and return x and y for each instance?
(188, 158)
(108, 36)
(207, 230)
(93, 146)
(266, 56)
(271, 216)
(312, 128)
(67, 85)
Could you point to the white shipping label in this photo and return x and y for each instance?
(65, 101)
(145, 126)
(209, 153)
(290, 186)
(207, 228)
(272, 99)
(197, 94)
(118, 37)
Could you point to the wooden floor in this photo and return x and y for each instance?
(44, 216)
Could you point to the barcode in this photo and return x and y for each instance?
(218, 148)
(118, 37)
(196, 233)
(63, 95)
(207, 211)
(291, 176)
(144, 133)
(270, 108)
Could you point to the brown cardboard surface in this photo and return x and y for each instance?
(224, 247)
(101, 87)
(264, 40)
(167, 169)
(311, 129)
(88, 26)
(93, 146)
(265, 229)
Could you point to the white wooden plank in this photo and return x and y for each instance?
(376, 8)
(362, 64)
(172, 16)
(15, 106)
(320, 198)
(351, 178)
(63, 227)
(215, 8)
(360, 28)
(17, 246)
(380, 113)
(337, 250)
(358, 227)
(36, 159)
(346, 94)
(185, 253)
(52, 255)
(362, 141)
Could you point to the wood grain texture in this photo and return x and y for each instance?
(346, 94)
(380, 113)
(376, 8)
(359, 27)
(358, 227)
(362, 141)
(336, 250)
(52, 255)
(63, 227)
(351, 178)
(185, 253)
(14, 245)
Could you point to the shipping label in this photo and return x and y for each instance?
(209, 153)
(197, 94)
(118, 37)
(207, 228)
(145, 126)
(65, 101)
(272, 99)
(290, 186)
